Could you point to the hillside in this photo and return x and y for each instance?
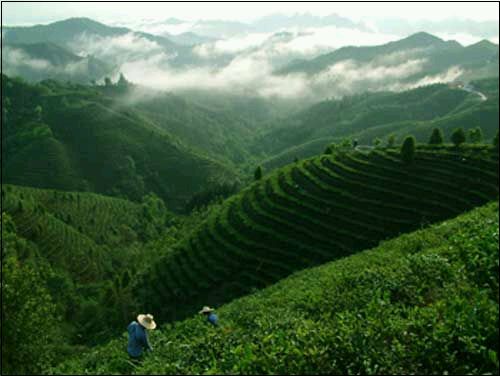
(87, 247)
(378, 115)
(312, 212)
(424, 303)
(82, 138)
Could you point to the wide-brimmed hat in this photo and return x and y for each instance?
(146, 321)
(206, 309)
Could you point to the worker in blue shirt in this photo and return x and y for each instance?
(210, 315)
(138, 336)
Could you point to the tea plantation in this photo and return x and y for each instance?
(424, 303)
(311, 212)
(88, 224)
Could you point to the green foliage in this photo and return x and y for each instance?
(408, 149)
(437, 137)
(424, 303)
(117, 148)
(458, 137)
(308, 213)
(328, 150)
(212, 193)
(391, 141)
(378, 115)
(30, 322)
(258, 173)
(495, 142)
(346, 143)
(476, 135)
(377, 142)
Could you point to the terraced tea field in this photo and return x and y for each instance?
(314, 211)
(74, 230)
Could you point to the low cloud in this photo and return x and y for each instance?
(116, 49)
(18, 62)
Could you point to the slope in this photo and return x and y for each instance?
(75, 137)
(311, 212)
(424, 303)
(341, 118)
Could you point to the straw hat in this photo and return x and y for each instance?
(206, 309)
(146, 321)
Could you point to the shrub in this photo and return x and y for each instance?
(391, 141)
(476, 135)
(258, 173)
(408, 149)
(458, 137)
(436, 137)
(377, 142)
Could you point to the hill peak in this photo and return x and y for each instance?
(421, 39)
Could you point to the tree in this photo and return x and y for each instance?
(495, 142)
(30, 330)
(458, 137)
(38, 113)
(107, 81)
(122, 81)
(377, 142)
(391, 141)
(328, 150)
(408, 149)
(258, 173)
(476, 135)
(346, 143)
(436, 137)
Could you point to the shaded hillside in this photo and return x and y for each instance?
(424, 303)
(73, 137)
(311, 212)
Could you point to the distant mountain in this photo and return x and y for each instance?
(38, 61)
(434, 55)
(79, 34)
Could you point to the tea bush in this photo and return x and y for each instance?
(423, 303)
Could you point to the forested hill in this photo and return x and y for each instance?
(83, 138)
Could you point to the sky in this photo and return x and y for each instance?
(26, 13)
